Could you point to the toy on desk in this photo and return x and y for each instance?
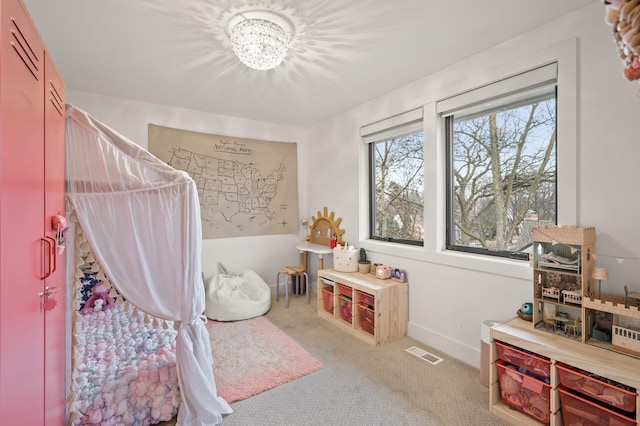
(334, 241)
(399, 275)
(383, 272)
(345, 259)
(526, 311)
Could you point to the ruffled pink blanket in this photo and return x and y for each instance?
(124, 370)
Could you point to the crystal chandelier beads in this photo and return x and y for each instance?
(260, 39)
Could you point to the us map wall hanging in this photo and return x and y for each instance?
(246, 186)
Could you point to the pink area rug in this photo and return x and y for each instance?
(253, 356)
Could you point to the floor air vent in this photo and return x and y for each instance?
(424, 355)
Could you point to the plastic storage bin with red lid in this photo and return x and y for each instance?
(345, 290)
(581, 411)
(367, 318)
(607, 391)
(529, 361)
(345, 308)
(523, 392)
(366, 298)
(327, 298)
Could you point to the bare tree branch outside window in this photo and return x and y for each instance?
(504, 175)
(399, 188)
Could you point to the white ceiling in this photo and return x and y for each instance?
(345, 52)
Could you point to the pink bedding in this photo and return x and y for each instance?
(124, 370)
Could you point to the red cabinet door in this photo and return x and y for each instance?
(54, 190)
(21, 210)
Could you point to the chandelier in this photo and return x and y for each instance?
(260, 39)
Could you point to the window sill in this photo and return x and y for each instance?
(474, 262)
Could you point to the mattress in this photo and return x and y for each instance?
(124, 369)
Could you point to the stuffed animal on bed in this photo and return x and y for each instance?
(99, 300)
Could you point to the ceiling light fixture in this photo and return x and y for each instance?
(260, 39)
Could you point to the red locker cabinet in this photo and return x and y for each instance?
(32, 340)
(54, 318)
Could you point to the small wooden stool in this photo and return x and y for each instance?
(296, 272)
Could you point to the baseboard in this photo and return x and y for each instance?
(445, 344)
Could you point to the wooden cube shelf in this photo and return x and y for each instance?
(343, 296)
(562, 354)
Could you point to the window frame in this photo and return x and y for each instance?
(399, 125)
(524, 86)
(488, 66)
(405, 130)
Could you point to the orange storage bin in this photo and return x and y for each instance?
(529, 361)
(345, 308)
(327, 298)
(523, 392)
(367, 318)
(581, 411)
(345, 290)
(609, 392)
(366, 298)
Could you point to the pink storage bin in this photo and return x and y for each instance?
(345, 309)
(580, 411)
(529, 361)
(612, 393)
(367, 318)
(366, 298)
(345, 290)
(524, 393)
(327, 299)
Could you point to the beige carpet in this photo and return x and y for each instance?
(361, 384)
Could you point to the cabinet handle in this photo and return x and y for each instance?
(50, 243)
(53, 253)
(47, 244)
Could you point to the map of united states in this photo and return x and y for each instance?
(229, 187)
(245, 186)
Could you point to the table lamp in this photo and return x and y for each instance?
(600, 274)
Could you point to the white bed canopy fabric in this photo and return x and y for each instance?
(142, 220)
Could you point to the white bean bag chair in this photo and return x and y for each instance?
(234, 297)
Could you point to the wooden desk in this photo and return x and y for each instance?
(305, 248)
(319, 249)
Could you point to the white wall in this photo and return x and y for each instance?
(263, 254)
(449, 296)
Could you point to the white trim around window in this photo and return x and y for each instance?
(406, 122)
(445, 85)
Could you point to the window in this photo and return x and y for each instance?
(396, 178)
(501, 164)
